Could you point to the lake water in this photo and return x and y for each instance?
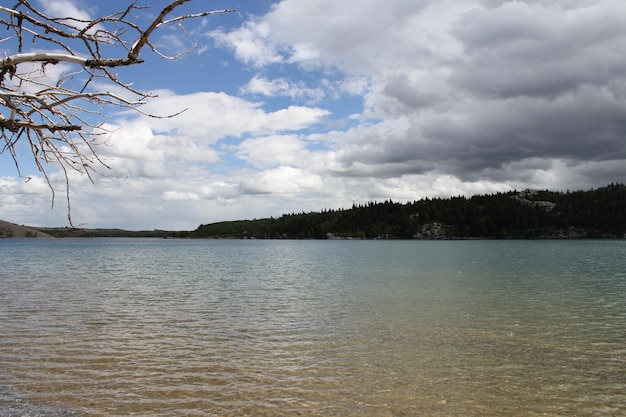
(151, 327)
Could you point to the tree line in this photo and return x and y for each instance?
(529, 214)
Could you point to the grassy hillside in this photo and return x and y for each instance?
(14, 230)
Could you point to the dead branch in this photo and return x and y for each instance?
(54, 114)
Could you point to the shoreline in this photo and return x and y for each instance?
(12, 405)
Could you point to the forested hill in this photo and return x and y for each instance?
(597, 213)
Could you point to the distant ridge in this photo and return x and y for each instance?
(527, 214)
(8, 230)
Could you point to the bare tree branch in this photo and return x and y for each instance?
(60, 117)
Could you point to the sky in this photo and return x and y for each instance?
(298, 106)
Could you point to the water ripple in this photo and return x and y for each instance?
(186, 328)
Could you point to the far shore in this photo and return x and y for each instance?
(8, 230)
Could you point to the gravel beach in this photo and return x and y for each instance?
(12, 405)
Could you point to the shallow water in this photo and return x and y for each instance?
(134, 327)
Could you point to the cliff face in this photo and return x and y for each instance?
(433, 231)
(13, 230)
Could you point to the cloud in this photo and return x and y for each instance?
(282, 87)
(157, 164)
(65, 9)
(209, 117)
(180, 196)
(530, 49)
(281, 180)
(251, 43)
(31, 185)
(466, 88)
(269, 151)
(144, 146)
(357, 100)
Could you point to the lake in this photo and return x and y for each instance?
(164, 327)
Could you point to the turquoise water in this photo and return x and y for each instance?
(151, 327)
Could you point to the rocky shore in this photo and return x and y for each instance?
(12, 405)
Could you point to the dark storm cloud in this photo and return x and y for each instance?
(408, 97)
(533, 81)
(585, 125)
(492, 92)
(521, 49)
